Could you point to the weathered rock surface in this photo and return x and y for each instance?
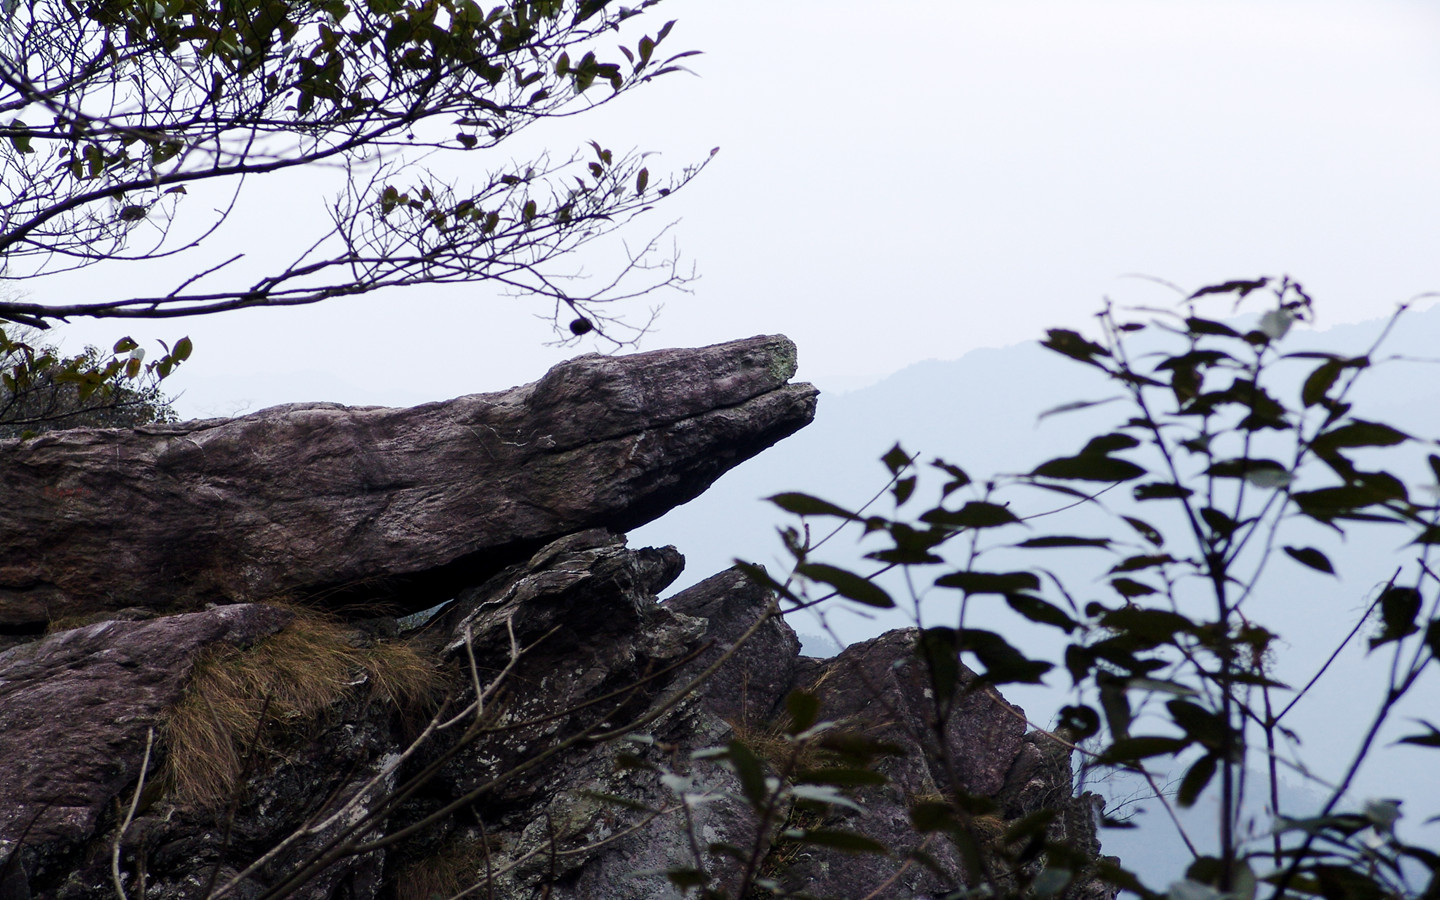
(76, 707)
(591, 693)
(573, 748)
(346, 504)
(879, 689)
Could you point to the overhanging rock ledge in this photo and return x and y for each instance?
(336, 504)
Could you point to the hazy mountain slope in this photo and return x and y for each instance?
(980, 411)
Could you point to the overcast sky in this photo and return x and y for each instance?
(915, 179)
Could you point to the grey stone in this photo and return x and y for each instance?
(343, 505)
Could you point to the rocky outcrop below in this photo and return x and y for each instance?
(551, 731)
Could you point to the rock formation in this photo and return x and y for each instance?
(552, 732)
(335, 503)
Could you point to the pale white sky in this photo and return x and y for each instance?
(915, 179)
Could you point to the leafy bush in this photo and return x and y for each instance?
(1214, 477)
(42, 390)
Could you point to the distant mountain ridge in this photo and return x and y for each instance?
(981, 411)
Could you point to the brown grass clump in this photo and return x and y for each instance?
(453, 869)
(241, 701)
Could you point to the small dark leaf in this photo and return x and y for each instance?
(1137, 563)
(1063, 541)
(1115, 703)
(1090, 468)
(912, 546)
(1424, 740)
(1359, 433)
(804, 709)
(896, 459)
(1003, 663)
(684, 878)
(1366, 489)
(1241, 287)
(1194, 359)
(1076, 405)
(1129, 588)
(1342, 882)
(1071, 344)
(1186, 382)
(1160, 490)
(749, 772)
(1318, 383)
(1078, 662)
(990, 582)
(1082, 721)
(1041, 611)
(1399, 607)
(1309, 556)
(1132, 750)
(20, 136)
(1154, 626)
(938, 648)
(1199, 723)
(1108, 443)
(844, 841)
(974, 514)
(1145, 530)
(847, 584)
(806, 505)
(1196, 779)
(1222, 525)
(929, 816)
(958, 478)
(1208, 326)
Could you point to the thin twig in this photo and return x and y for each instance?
(130, 816)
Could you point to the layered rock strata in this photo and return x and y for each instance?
(340, 505)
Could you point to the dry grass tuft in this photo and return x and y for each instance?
(241, 701)
(771, 743)
(453, 869)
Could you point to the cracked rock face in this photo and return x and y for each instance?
(344, 505)
(572, 750)
(593, 694)
(75, 709)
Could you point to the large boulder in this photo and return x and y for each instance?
(343, 505)
(79, 709)
(581, 774)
